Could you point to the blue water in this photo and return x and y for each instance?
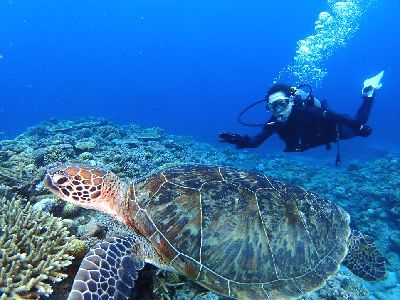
(186, 66)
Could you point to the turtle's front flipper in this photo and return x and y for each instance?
(363, 258)
(108, 271)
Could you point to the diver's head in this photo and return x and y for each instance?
(280, 100)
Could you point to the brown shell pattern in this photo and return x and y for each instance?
(241, 234)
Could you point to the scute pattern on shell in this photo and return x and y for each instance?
(241, 234)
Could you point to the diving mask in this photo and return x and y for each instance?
(278, 106)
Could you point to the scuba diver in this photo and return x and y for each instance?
(304, 122)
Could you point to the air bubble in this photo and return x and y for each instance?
(332, 31)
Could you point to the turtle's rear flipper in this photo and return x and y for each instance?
(363, 258)
(108, 271)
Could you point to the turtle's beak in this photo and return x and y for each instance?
(49, 184)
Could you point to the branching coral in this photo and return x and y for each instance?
(33, 250)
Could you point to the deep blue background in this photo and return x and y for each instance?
(184, 65)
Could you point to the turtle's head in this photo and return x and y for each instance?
(85, 186)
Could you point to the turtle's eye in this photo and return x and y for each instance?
(60, 179)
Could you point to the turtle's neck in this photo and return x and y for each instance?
(115, 197)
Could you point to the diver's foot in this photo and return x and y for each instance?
(372, 84)
(368, 91)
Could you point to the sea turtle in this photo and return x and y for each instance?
(240, 234)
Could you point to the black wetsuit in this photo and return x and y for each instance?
(309, 126)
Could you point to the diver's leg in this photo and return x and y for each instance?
(347, 132)
(364, 110)
(349, 127)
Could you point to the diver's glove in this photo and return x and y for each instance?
(372, 84)
(235, 139)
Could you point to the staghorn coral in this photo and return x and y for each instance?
(33, 246)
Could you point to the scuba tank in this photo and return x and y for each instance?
(307, 98)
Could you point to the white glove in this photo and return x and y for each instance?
(372, 84)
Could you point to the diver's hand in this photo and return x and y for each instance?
(234, 138)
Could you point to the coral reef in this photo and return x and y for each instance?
(33, 247)
(370, 190)
(78, 248)
(86, 145)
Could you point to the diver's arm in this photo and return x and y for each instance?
(258, 139)
(245, 141)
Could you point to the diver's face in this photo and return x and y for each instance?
(278, 103)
